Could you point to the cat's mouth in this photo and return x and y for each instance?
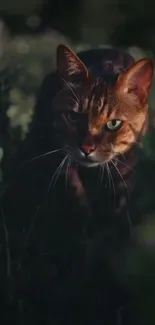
(86, 160)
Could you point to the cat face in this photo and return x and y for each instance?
(97, 122)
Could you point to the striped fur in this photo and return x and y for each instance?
(87, 104)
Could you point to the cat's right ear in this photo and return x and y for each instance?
(70, 68)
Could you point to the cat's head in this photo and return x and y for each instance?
(97, 122)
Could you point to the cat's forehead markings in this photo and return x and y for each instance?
(101, 104)
(95, 100)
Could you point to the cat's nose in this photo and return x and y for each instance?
(87, 149)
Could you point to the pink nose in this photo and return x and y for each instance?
(87, 149)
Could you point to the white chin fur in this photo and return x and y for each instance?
(88, 164)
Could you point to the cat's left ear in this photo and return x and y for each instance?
(69, 66)
(137, 79)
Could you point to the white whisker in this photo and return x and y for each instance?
(110, 173)
(75, 101)
(67, 168)
(102, 169)
(57, 172)
(117, 160)
(119, 174)
(127, 212)
(109, 179)
(68, 85)
(43, 155)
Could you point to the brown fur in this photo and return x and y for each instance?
(94, 103)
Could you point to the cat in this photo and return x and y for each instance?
(100, 118)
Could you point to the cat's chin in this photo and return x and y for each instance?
(88, 164)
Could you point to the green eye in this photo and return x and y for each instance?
(114, 125)
(72, 117)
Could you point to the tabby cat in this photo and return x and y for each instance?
(100, 118)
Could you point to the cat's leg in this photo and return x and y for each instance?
(80, 192)
(125, 190)
(126, 181)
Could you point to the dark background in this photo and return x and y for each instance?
(122, 289)
(124, 23)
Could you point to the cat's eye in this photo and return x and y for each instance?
(113, 125)
(72, 117)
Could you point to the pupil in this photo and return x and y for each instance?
(113, 123)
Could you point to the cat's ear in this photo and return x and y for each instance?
(137, 79)
(69, 66)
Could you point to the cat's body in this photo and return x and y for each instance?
(109, 88)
